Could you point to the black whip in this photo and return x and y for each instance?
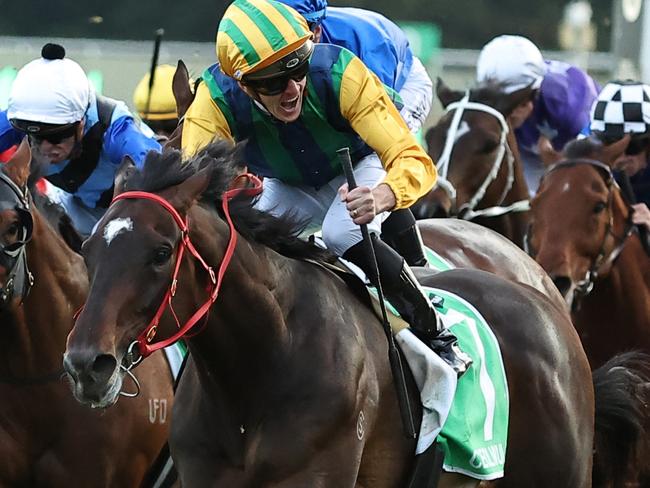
(396, 366)
(152, 71)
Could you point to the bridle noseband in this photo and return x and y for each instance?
(13, 256)
(143, 346)
(467, 211)
(603, 259)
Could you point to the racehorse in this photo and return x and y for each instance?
(582, 235)
(47, 438)
(288, 383)
(480, 173)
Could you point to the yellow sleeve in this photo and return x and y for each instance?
(203, 122)
(411, 173)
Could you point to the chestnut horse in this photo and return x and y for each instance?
(289, 357)
(47, 439)
(480, 173)
(581, 233)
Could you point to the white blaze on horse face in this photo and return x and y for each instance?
(116, 227)
(566, 187)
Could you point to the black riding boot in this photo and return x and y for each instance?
(405, 294)
(400, 232)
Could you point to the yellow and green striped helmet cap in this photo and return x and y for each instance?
(255, 33)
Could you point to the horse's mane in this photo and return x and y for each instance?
(489, 92)
(587, 147)
(222, 159)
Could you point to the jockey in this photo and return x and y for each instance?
(384, 49)
(558, 108)
(623, 107)
(78, 137)
(380, 44)
(296, 103)
(161, 114)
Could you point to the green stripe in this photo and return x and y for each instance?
(275, 155)
(297, 27)
(218, 97)
(338, 68)
(241, 41)
(320, 125)
(268, 29)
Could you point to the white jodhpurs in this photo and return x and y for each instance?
(322, 209)
(83, 218)
(417, 95)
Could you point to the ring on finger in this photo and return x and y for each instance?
(354, 212)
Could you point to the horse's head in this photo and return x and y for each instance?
(469, 144)
(574, 232)
(132, 260)
(16, 225)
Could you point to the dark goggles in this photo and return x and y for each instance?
(636, 146)
(54, 134)
(277, 84)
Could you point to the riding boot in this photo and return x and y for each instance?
(401, 232)
(405, 293)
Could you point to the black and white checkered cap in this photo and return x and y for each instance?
(622, 107)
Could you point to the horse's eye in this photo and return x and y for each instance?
(599, 207)
(161, 256)
(489, 146)
(13, 229)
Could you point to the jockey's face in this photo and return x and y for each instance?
(58, 151)
(635, 158)
(285, 106)
(521, 112)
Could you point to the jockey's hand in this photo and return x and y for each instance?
(641, 215)
(364, 204)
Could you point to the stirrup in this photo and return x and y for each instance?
(445, 345)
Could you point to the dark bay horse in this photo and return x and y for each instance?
(582, 236)
(288, 383)
(475, 150)
(47, 439)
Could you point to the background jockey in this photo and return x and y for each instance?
(161, 113)
(623, 107)
(296, 103)
(77, 137)
(558, 108)
(380, 44)
(384, 48)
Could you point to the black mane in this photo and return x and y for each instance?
(162, 170)
(489, 92)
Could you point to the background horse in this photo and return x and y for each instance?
(289, 385)
(582, 236)
(46, 437)
(481, 178)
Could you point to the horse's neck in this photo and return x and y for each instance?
(38, 327)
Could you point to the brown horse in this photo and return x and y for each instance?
(481, 177)
(582, 235)
(289, 357)
(47, 439)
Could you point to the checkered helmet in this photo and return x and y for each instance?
(622, 107)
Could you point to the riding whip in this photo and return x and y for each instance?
(396, 365)
(154, 63)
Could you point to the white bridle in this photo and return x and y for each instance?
(467, 212)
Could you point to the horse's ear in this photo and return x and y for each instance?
(445, 94)
(547, 153)
(189, 191)
(18, 166)
(124, 172)
(182, 89)
(609, 154)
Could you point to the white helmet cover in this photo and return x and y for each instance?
(50, 91)
(513, 61)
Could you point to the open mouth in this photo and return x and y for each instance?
(290, 105)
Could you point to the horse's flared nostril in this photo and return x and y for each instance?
(103, 368)
(563, 284)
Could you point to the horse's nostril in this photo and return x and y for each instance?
(103, 367)
(563, 284)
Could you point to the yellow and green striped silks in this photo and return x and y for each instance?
(255, 33)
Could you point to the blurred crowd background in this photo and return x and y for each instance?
(114, 41)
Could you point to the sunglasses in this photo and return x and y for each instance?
(277, 85)
(55, 137)
(637, 146)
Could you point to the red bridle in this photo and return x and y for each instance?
(144, 340)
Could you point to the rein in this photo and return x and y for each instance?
(603, 259)
(144, 342)
(467, 211)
